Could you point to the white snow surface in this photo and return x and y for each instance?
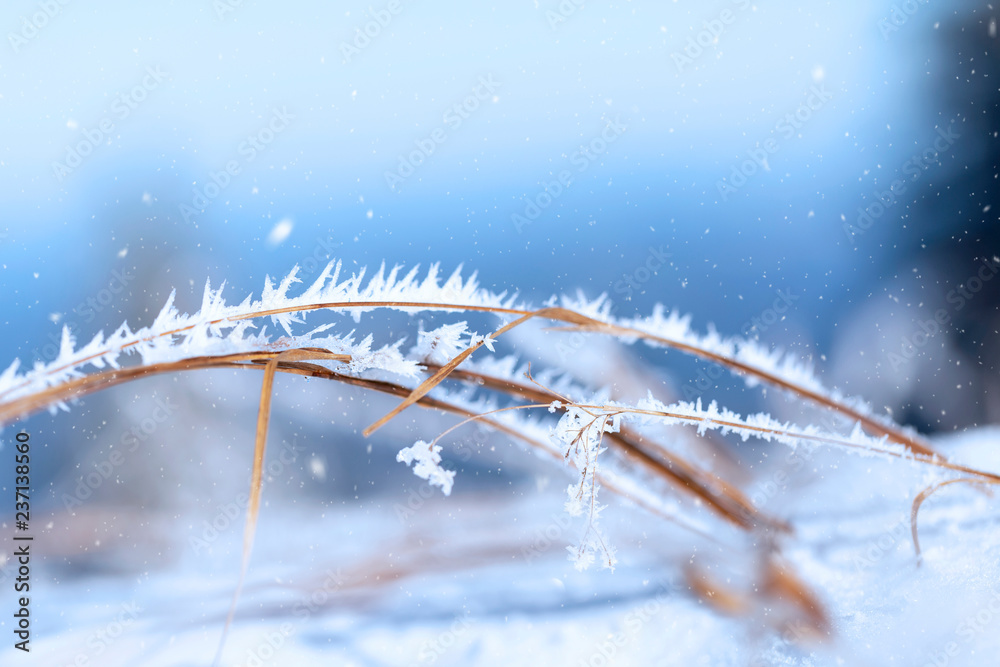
(481, 580)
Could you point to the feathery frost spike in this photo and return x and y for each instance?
(8, 377)
(66, 344)
(286, 283)
(167, 316)
(315, 290)
(221, 329)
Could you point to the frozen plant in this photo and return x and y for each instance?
(606, 443)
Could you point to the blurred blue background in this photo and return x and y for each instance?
(113, 229)
(717, 157)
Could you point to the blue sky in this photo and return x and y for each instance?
(557, 88)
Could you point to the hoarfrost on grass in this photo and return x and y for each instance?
(428, 464)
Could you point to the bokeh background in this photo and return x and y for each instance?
(227, 68)
(118, 115)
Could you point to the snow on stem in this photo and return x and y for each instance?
(174, 336)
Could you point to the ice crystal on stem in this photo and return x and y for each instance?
(581, 432)
(428, 464)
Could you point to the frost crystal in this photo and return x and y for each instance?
(440, 345)
(581, 432)
(428, 458)
(219, 329)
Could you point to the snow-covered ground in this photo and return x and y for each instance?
(482, 578)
